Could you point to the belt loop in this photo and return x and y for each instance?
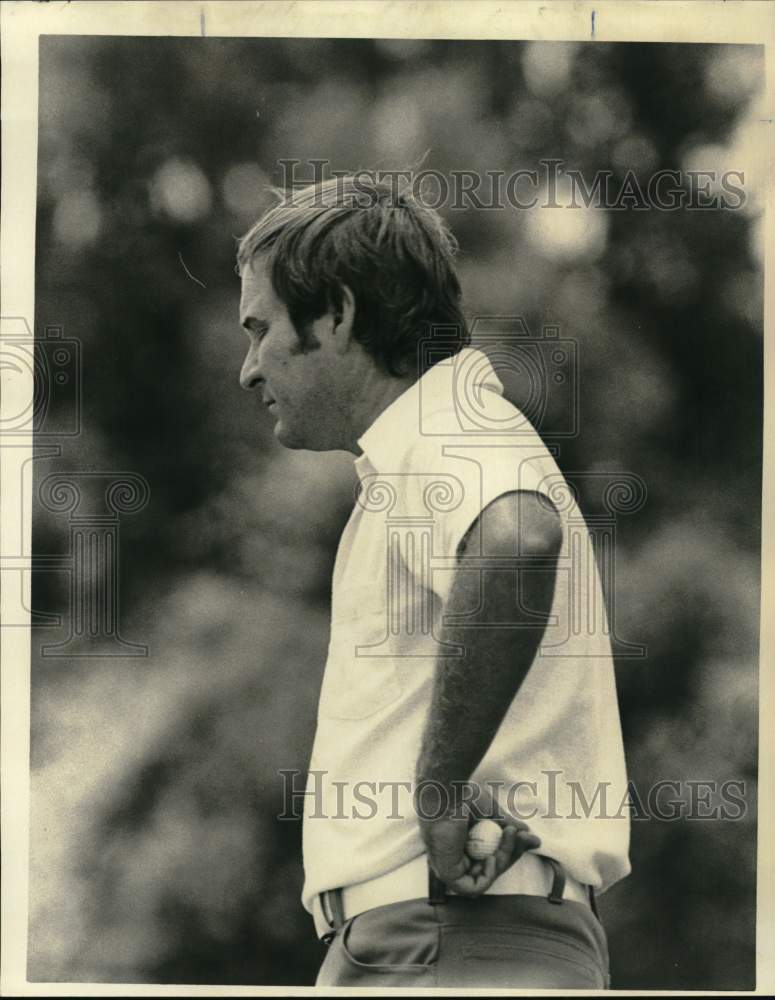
(331, 903)
(558, 883)
(337, 909)
(437, 891)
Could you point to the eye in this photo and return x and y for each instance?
(256, 331)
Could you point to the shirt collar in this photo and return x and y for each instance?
(389, 436)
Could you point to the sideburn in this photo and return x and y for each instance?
(307, 342)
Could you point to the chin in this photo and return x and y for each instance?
(287, 438)
(297, 441)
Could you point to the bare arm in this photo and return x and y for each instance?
(473, 692)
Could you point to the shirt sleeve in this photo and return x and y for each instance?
(454, 482)
(485, 477)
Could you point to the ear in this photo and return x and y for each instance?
(344, 318)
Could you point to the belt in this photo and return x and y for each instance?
(532, 875)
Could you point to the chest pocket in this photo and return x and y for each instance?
(361, 675)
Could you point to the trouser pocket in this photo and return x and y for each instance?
(386, 946)
(510, 957)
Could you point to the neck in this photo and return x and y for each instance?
(371, 398)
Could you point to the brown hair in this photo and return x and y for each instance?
(394, 254)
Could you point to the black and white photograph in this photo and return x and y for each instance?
(382, 438)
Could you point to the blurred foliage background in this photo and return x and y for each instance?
(156, 852)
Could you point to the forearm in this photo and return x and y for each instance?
(473, 691)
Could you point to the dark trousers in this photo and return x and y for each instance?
(491, 941)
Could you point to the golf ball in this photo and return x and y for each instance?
(483, 839)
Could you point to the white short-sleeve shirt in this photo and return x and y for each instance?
(430, 464)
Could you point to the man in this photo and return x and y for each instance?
(456, 675)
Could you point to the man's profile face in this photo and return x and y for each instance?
(297, 384)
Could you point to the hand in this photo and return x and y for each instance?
(445, 839)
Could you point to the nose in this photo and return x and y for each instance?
(250, 376)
